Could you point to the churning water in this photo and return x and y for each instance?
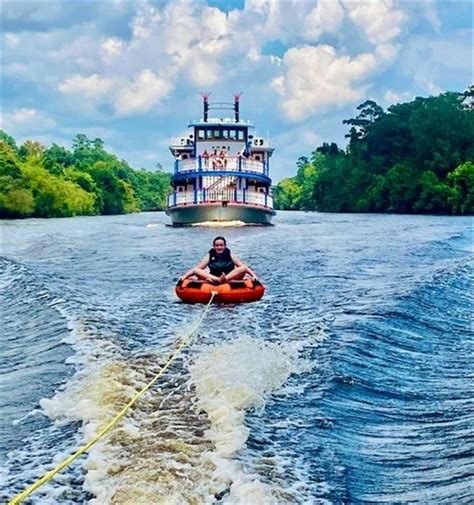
(349, 382)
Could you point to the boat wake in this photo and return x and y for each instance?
(182, 441)
(223, 224)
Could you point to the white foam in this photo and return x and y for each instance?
(138, 462)
(221, 224)
(230, 379)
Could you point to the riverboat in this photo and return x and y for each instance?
(221, 170)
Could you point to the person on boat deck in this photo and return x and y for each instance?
(223, 265)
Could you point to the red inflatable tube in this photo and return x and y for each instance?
(197, 291)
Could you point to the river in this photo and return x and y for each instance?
(349, 382)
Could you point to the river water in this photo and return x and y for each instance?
(349, 382)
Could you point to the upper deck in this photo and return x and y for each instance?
(221, 146)
(223, 121)
(235, 165)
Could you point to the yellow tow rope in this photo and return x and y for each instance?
(48, 476)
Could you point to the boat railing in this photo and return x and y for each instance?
(203, 196)
(217, 163)
(220, 120)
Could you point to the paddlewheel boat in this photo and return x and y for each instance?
(221, 171)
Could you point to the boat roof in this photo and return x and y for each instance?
(226, 121)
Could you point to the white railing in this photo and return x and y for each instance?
(182, 142)
(239, 164)
(221, 120)
(187, 165)
(241, 196)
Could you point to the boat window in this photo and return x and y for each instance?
(232, 134)
(216, 134)
(241, 135)
(201, 134)
(225, 134)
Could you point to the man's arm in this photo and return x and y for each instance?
(239, 263)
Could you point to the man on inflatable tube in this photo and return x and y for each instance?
(225, 279)
(223, 265)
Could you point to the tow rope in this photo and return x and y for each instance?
(49, 475)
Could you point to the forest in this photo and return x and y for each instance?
(416, 157)
(56, 182)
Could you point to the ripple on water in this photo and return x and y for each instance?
(347, 383)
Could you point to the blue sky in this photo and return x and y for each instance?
(131, 72)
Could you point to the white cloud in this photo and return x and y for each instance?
(144, 22)
(392, 97)
(25, 120)
(387, 52)
(176, 48)
(432, 62)
(431, 14)
(326, 17)
(23, 115)
(144, 92)
(316, 78)
(11, 39)
(291, 144)
(15, 69)
(380, 20)
(32, 12)
(188, 43)
(266, 16)
(91, 132)
(91, 86)
(111, 48)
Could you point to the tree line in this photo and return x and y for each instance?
(56, 182)
(416, 157)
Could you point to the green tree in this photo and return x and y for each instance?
(370, 112)
(87, 180)
(462, 182)
(114, 195)
(287, 194)
(9, 162)
(435, 196)
(55, 197)
(31, 150)
(151, 189)
(8, 139)
(443, 133)
(57, 158)
(15, 201)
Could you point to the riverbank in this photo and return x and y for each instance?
(56, 182)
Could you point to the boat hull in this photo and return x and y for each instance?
(192, 214)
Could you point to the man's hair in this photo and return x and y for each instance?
(219, 238)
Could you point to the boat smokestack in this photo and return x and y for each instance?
(237, 106)
(205, 100)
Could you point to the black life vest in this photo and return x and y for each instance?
(220, 263)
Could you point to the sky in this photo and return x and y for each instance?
(131, 73)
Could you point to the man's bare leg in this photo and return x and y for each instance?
(237, 274)
(203, 275)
